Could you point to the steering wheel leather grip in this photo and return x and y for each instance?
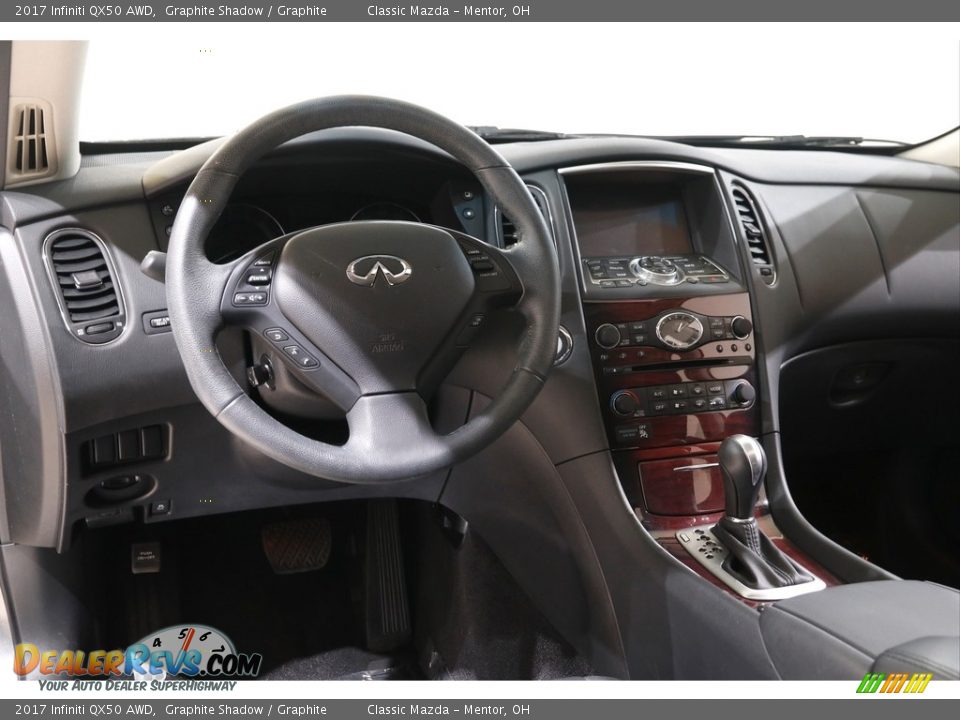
(390, 434)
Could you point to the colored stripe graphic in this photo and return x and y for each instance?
(894, 683)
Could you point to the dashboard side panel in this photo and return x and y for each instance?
(31, 413)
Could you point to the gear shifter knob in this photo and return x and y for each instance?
(743, 465)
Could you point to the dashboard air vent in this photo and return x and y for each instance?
(85, 281)
(31, 142)
(754, 234)
(508, 231)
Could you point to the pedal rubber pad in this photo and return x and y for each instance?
(387, 608)
(295, 546)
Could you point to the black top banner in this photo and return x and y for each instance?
(452, 11)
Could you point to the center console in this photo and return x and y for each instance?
(673, 345)
(670, 323)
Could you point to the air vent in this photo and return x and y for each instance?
(508, 231)
(90, 301)
(31, 150)
(754, 234)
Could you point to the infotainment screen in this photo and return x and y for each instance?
(629, 220)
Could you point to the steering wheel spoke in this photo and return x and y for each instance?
(248, 301)
(393, 427)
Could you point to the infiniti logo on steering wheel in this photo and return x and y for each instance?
(365, 270)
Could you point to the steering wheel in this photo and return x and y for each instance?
(369, 314)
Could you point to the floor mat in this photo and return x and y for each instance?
(215, 572)
(347, 664)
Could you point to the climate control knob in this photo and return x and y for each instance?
(743, 394)
(741, 327)
(624, 402)
(607, 336)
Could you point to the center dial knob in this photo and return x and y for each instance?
(679, 330)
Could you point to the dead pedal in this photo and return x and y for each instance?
(386, 607)
(295, 546)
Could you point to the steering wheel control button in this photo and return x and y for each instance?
(250, 298)
(276, 335)
(301, 357)
(265, 261)
(259, 277)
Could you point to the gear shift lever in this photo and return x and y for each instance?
(743, 465)
(752, 559)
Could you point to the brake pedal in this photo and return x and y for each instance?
(386, 607)
(296, 546)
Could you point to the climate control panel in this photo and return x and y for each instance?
(674, 372)
(682, 398)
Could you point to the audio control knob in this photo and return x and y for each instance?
(743, 394)
(624, 402)
(607, 336)
(741, 327)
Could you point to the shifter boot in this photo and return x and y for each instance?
(754, 560)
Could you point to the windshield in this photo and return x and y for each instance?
(845, 80)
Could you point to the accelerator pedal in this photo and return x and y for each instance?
(386, 607)
(296, 546)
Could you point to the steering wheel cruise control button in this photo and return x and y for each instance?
(300, 356)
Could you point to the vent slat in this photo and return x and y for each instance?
(63, 256)
(71, 292)
(80, 317)
(72, 267)
(66, 281)
(754, 234)
(68, 243)
(109, 300)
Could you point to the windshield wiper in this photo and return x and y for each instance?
(493, 134)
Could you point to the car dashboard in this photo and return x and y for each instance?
(692, 278)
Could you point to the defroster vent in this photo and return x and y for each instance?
(31, 153)
(85, 281)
